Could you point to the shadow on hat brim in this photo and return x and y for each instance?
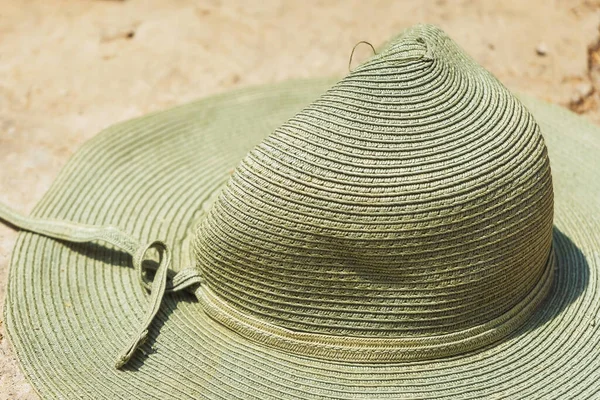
(70, 307)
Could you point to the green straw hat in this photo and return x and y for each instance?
(398, 234)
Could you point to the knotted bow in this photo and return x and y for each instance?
(81, 233)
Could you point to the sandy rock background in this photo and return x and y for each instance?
(71, 68)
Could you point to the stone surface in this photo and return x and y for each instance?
(71, 68)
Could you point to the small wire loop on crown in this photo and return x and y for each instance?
(354, 49)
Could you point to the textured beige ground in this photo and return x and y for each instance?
(70, 68)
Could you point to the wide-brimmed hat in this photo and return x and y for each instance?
(411, 231)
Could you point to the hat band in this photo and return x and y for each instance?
(372, 349)
(330, 347)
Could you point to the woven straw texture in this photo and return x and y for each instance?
(412, 201)
(444, 202)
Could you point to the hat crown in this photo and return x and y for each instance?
(413, 199)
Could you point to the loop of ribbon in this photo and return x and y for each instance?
(81, 233)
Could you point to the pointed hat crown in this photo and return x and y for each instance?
(408, 210)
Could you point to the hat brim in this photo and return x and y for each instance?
(70, 308)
